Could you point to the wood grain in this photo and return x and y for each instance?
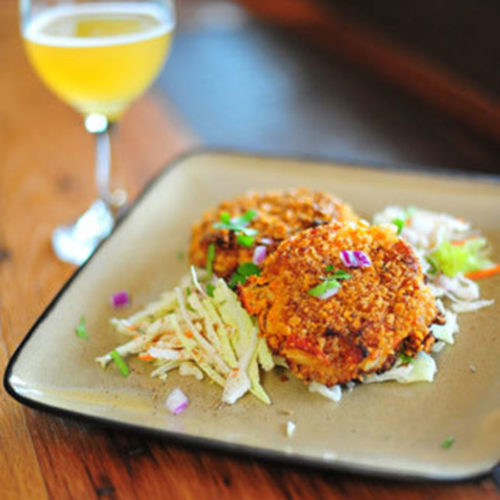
(20, 474)
(46, 179)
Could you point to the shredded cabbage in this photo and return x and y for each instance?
(187, 369)
(196, 333)
(333, 393)
(469, 256)
(447, 331)
(461, 307)
(447, 249)
(420, 369)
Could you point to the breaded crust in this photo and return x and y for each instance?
(280, 214)
(380, 311)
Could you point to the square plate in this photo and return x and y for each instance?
(389, 428)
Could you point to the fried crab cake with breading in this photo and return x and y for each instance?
(278, 215)
(377, 312)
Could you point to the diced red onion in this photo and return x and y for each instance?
(259, 254)
(120, 299)
(355, 258)
(177, 401)
(329, 293)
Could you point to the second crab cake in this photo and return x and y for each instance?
(341, 301)
(237, 227)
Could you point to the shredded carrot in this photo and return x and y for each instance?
(132, 327)
(484, 273)
(189, 335)
(145, 357)
(136, 337)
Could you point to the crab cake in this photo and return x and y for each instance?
(331, 332)
(278, 215)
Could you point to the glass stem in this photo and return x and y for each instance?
(103, 165)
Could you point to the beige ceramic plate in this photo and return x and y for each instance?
(382, 428)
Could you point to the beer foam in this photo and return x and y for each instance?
(35, 30)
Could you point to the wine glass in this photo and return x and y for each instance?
(97, 56)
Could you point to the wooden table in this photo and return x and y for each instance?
(45, 169)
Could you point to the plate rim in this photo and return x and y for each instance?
(214, 444)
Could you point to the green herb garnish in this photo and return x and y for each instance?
(243, 272)
(120, 363)
(405, 358)
(188, 291)
(244, 234)
(329, 281)
(464, 258)
(433, 269)
(448, 443)
(180, 255)
(81, 329)
(399, 223)
(210, 260)
(210, 289)
(225, 218)
(244, 240)
(247, 217)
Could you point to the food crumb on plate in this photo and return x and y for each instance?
(448, 443)
(290, 428)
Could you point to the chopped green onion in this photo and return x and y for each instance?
(330, 281)
(248, 269)
(248, 216)
(225, 218)
(81, 329)
(399, 223)
(210, 260)
(210, 289)
(188, 291)
(243, 272)
(433, 268)
(235, 279)
(180, 255)
(239, 226)
(120, 363)
(244, 240)
(323, 287)
(340, 274)
(405, 358)
(448, 443)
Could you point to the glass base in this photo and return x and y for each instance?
(77, 242)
